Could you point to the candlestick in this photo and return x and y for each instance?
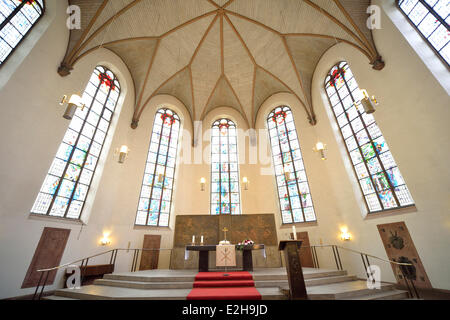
(294, 231)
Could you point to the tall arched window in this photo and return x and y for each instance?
(17, 17)
(380, 179)
(157, 187)
(67, 184)
(225, 192)
(431, 18)
(293, 190)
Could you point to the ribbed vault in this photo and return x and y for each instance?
(213, 53)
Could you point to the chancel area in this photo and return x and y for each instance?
(224, 149)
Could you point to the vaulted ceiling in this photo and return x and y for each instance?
(213, 53)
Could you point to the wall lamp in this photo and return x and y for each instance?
(367, 102)
(320, 148)
(245, 182)
(202, 184)
(73, 103)
(345, 235)
(105, 241)
(123, 153)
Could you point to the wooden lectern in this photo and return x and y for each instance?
(297, 285)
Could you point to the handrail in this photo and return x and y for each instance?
(319, 246)
(95, 256)
(359, 252)
(402, 266)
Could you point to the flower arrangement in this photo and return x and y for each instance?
(247, 242)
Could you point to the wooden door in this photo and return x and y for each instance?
(149, 259)
(306, 258)
(48, 254)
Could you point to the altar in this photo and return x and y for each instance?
(260, 228)
(203, 263)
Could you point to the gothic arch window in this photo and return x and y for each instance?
(68, 181)
(17, 17)
(157, 187)
(431, 18)
(225, 192)
(379, 177)
(293, 190)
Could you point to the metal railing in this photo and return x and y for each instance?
(84, 264)
(404, 268)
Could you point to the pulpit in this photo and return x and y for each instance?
(297, 287)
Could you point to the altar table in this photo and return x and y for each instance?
(204, 255)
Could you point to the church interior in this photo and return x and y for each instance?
(224, 149)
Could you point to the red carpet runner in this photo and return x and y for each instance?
(224, 286)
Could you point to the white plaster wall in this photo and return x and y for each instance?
(413, 116)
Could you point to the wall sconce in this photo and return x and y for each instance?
(320, 148)
(105, 241)
(245, 182)
(367, 102)
(73, 103)
(202, 184)
(123, 153)
(345, 235)
(287, 175)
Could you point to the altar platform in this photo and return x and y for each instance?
(322, 284)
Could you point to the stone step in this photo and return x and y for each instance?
(176, 285)
(58, 298)
(145, 278)
(345, 290)
(189, 276)
(188, 285)
(95, 292)
(144, 284)
(387, 295)
(309, 282)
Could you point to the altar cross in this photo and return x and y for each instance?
(225, 230)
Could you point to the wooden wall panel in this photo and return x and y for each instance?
(258, 227)
(400, 248)
(48, 254)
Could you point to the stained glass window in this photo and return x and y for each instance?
(157, 187)
(225, 192)
(68, 181)
(431, 18)
(17, 17)
(293, 190)
(380, 179)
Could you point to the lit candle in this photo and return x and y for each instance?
(193, 239)
(294, 231)
(201, 241)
